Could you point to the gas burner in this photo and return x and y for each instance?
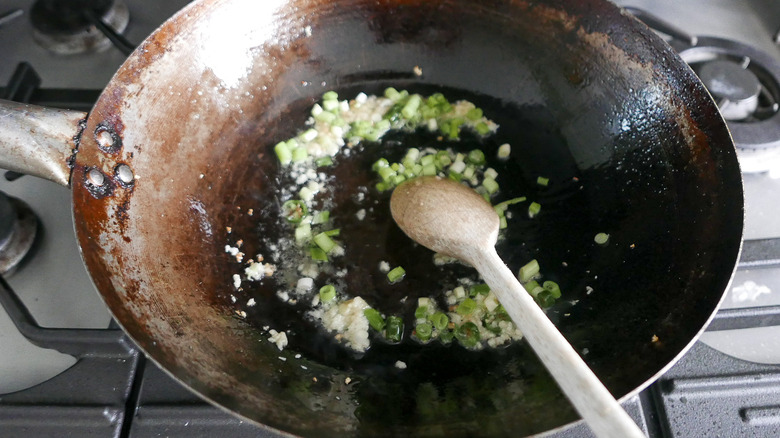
(745, 83)
(18, 229)
(68, 27)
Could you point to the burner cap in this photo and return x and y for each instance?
(18, 229)
(65, 27)
(734, 87)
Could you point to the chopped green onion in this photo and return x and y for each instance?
(427, 160)
(421, 312)
(490, 185)
(375, 319)
(324, 161)
(468, 334)
(502, 223)
(309, 135)
(503, 205)
(440, 320)
(476, 157)
(482, 128)
(410, 109)
(491, 173)
(529, 271)
(327, 293)
(325, 242)
(396, 274)
(320, 218)
(423, 331)
(479, 289)
(392, 94)
(553, 288)
(333, 233)
(395, 329)
(504, 150)
(542, 181)
(294, 210)
(379, 164)
(532, 287)
(302, 233)
(474, 114)
(330, 95)
(318, 254)
(327, 116)
(429, 170)
(534, 209)
(545, 298)
(446, 336)
(466, 307)
(299, 154)
(413, 154)
(601, 238)
(386, 173)
(283, 153)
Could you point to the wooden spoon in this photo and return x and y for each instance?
(454, 220)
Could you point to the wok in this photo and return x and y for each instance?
(177, 150)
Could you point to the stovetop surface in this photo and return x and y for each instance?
(59, 293)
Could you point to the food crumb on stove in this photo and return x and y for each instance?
(278, 338)
(588, 290)
(401, 365)
(361, 214)
(585, 351)
(233, 298)
(232, 250)
(654, 338)
(236, 281)
(251, 302)
(314, 379)
(384, 266)
(347, 381)
(298, 356)
(304, 367)
(283, 295)
(241, 313)
(283, 359)
(251, 212)
(229, 229)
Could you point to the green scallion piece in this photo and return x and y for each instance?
(325, 242)
(502, 223)
(396, 274)
(468, 334)
(375, 319)
(324, 161)
(474, 114)
(423, 331)
(534, 209)
(542, 181)
(601, 238)
(466, 307)
(532, 287)
(392, 94)
(317, 254)
(528, 271)
(302, 233)
(330, 95)
(482, 128)
(545, 299)
(476, 157)
(386, 173)
(503, 151)
(421, 312)
(429, 170)
(446, 336)
(490, 185)
(553, 288)
(320, 218)
(503, 205)
(394, 329)
(294, 211)
(412, 105)
(283, 153)
(327, 293)
(299, 154)
(440, 320)
(477, 289)
(327, 116)
(380, 164)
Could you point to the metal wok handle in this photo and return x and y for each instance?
(38, 141)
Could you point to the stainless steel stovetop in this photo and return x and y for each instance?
(58, 292)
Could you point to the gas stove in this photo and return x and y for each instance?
(67, 370)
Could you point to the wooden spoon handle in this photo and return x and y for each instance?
(589, 396)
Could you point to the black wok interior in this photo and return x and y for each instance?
(588, 97)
